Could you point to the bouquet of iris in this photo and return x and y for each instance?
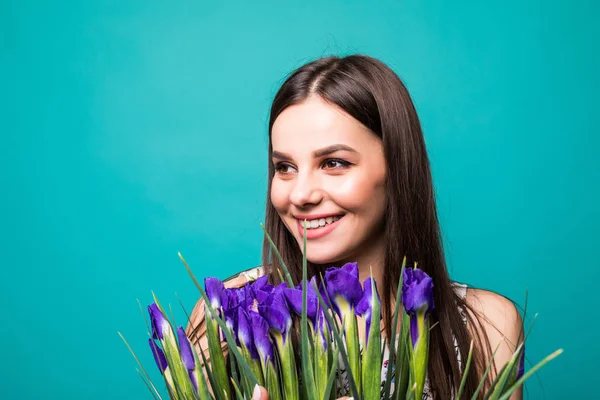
(341, 343)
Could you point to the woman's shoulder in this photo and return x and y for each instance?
(492, 305)
(239, 279)
(495, 311)
(500, 320)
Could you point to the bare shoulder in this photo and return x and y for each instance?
(501, 322)
(498, 315)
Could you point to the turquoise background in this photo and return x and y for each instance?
(131, 130)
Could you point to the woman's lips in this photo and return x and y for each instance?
(315, 233)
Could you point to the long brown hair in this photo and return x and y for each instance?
(373, 94)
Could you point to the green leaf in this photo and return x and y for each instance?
(403, 359)
(254, 366)
(526, 375)
(209, 373)
(394, 342)
(140, 364)
(307, 370)
(341, 345)
(465, 372)
(272, 381)
(234, 374)
(217, 359)
(371, 361)
(236, 388)
(353, 348)
(331, 379)
(151, 388)
(420, 353)
(288, 367)
(485, 374)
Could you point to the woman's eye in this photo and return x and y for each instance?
(333, 163)
(282, 168)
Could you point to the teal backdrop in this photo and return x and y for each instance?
(131, 130)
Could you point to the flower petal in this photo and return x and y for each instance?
(275, 310)
(365, 305)
(294, 300)
(260, 282)
(244, 332)
(343, 284)
(185, 350)
(260, 333)
(159, 356)
(158, 321)
(215, 290)
(417, 291)
(351, 268)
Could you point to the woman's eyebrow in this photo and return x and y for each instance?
(332, 149)
(281, 156)
(317, 153)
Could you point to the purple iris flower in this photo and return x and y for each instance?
(260, 333)
(417, 291)
(365, 305)
(343, 286)
(244, 332)
(240, 296)
(261, 289)
(417, 297)
(185, 350)
(294, 299)
(248, 299)
(262, 294)
(215, 291)
(187, 355)
(323, 327)
(231, 318)
(159, 356)
(158, 321)
(233, 298)
(261, 282)
(276, 312)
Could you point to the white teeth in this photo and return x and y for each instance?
(317, 223)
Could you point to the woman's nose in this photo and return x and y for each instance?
(306, 191)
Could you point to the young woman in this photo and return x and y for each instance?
(346, 153)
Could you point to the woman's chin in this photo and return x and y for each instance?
(323, 259)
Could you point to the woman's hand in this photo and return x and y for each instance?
(260, 393)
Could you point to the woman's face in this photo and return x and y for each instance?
(330, 170)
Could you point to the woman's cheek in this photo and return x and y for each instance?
(354, 192)
(278, 197)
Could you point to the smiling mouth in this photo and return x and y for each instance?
(319, 222)
(318, 227)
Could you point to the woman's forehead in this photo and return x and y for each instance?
(315, 124)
